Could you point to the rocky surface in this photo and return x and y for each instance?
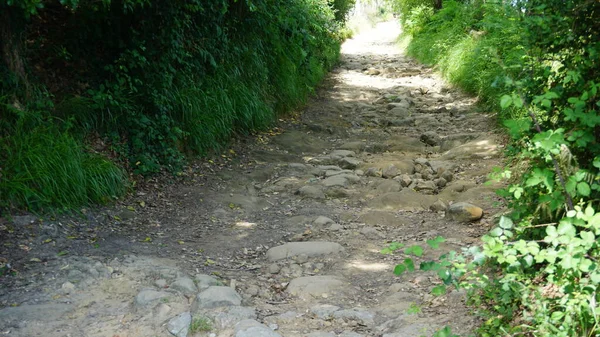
(281, 235)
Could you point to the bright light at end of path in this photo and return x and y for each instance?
(370, 266)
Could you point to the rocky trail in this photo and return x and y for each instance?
(284, 240)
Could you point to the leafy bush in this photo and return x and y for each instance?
(158, 80)
(537, 272)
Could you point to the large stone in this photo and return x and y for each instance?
(431, 138)
(322, 221)
(464, 212)
(390, 172)
(179, 325)
(230, 316)
(348, 163)
(204, 281)
(336, 181)
(311, 192)
(310, 248)
(343, 153)
(360, 315)
(324, 311)
(216, 296)
(252, 328)
(426, 186)
(185, 285)
(147, 297)
(406, 199)
(310, 286)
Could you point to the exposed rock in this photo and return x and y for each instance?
(252, 328)
(320, 334)
(227, 317)
(179, 325)
(343, 153)
(67, 288)
(322, 221)
(324, 311)
(406, 199)
(371, 233)
(438, 206)
(310, 248)
(216, 296)
(274, 268)
(348, 163)
(426, 186)
(308, 286)
(335, 227)
(347, 333)
(311, 192)
(405, 180)
(389, 186)
(431, 138)
(447, 175)
(147, 297)
(204, 281)
(440, 182)
(339, 180)
(185, 285)
(464, 212)
(390, 172)
(364, 317)
(373, 172)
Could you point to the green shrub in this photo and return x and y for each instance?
(536, 63)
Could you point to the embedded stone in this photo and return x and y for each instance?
(464, 212)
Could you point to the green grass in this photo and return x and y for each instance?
(45, 168)
(471, 52)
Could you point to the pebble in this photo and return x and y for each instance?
(67, 288)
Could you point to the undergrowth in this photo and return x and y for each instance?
(157, 82)
(537, 64)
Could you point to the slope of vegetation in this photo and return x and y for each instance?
(537, 62)
(92, 89)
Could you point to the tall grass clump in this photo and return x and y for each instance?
(471, 50)
(44, 169)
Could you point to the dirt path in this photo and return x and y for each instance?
(285, 240)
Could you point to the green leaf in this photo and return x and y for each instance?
(566, 228)
(435, 243)
(414, 250)
(439, 290)
(505, 101)
(429, 265)
(506, 223)
(496, 232)
(583, 189)
(410, 266)
(399, 269)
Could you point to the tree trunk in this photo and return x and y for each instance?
(437, 4)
